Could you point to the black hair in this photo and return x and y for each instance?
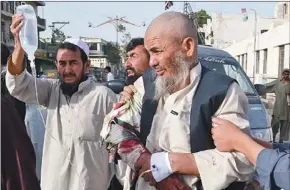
(5, 53)
(134, 43)
(108, 68)
(73, 47)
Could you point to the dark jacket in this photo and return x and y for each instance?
(208, 97)
(17, 153)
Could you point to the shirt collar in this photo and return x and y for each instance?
(84, 84)
(195, 72)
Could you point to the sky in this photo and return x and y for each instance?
(80, 13)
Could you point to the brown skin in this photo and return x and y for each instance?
(138, 60)
(228, 137)
(285, 76)
(70, 65)
(15, 66)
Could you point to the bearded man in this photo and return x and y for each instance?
(72, 156)
(180, 98)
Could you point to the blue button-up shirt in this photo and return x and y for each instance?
(273, 167)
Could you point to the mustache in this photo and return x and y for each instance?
(157, 67)
(130, 68)
(69, 74)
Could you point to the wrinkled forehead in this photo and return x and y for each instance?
(66, 54)
(161, 39)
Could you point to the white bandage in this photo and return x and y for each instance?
(160, 166)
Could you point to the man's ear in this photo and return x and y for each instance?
(188, 45)
(87, 66)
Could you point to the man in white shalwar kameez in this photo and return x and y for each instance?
(72, 156)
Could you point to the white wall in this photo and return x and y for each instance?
(99, 62)
(230, 28)
(271, 41)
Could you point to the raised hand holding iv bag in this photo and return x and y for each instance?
(28, 34)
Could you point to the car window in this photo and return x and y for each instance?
(231, 68)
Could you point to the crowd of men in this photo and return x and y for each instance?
(193, 129)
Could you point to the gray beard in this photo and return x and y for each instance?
(169, 85)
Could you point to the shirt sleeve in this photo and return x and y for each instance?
(273, 168)
(225, 167)
(22, 87)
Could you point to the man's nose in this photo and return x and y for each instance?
(153, 62)
(128, 63)
(68, 67)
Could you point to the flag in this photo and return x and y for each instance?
(168, 4)
(245, 14)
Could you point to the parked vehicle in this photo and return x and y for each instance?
(223, 62)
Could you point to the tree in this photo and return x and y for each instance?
(202, 17)
(121, 28)
(115, 51)
(57, 36)
(112, 50)
(125, 40)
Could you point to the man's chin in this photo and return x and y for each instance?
(131, 79)
(69, 82)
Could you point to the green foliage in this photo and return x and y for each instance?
(112, 50)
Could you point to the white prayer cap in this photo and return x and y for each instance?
(81, 44)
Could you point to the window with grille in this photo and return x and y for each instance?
(265, 61)
(281, 59)
(257, 62)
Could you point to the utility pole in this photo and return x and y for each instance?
(255, 36)
(116, 23)
(54, 29)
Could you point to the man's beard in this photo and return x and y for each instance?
(69, 89)
(181, 68)
(131, 79)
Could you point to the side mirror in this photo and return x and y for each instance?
(116, 86)
(261, 89)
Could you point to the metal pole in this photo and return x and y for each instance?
(255, 36)
(117, 28)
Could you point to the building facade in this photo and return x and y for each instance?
(271, 54)
(42, 59)
(7, 11)
(97, 55)
(224, 30)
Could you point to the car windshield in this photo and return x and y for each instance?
(229, 67)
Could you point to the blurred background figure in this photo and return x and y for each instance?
(281, 112)
(110, 75)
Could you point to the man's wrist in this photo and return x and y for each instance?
(160, 166)
(18, 46)
(239, 142)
